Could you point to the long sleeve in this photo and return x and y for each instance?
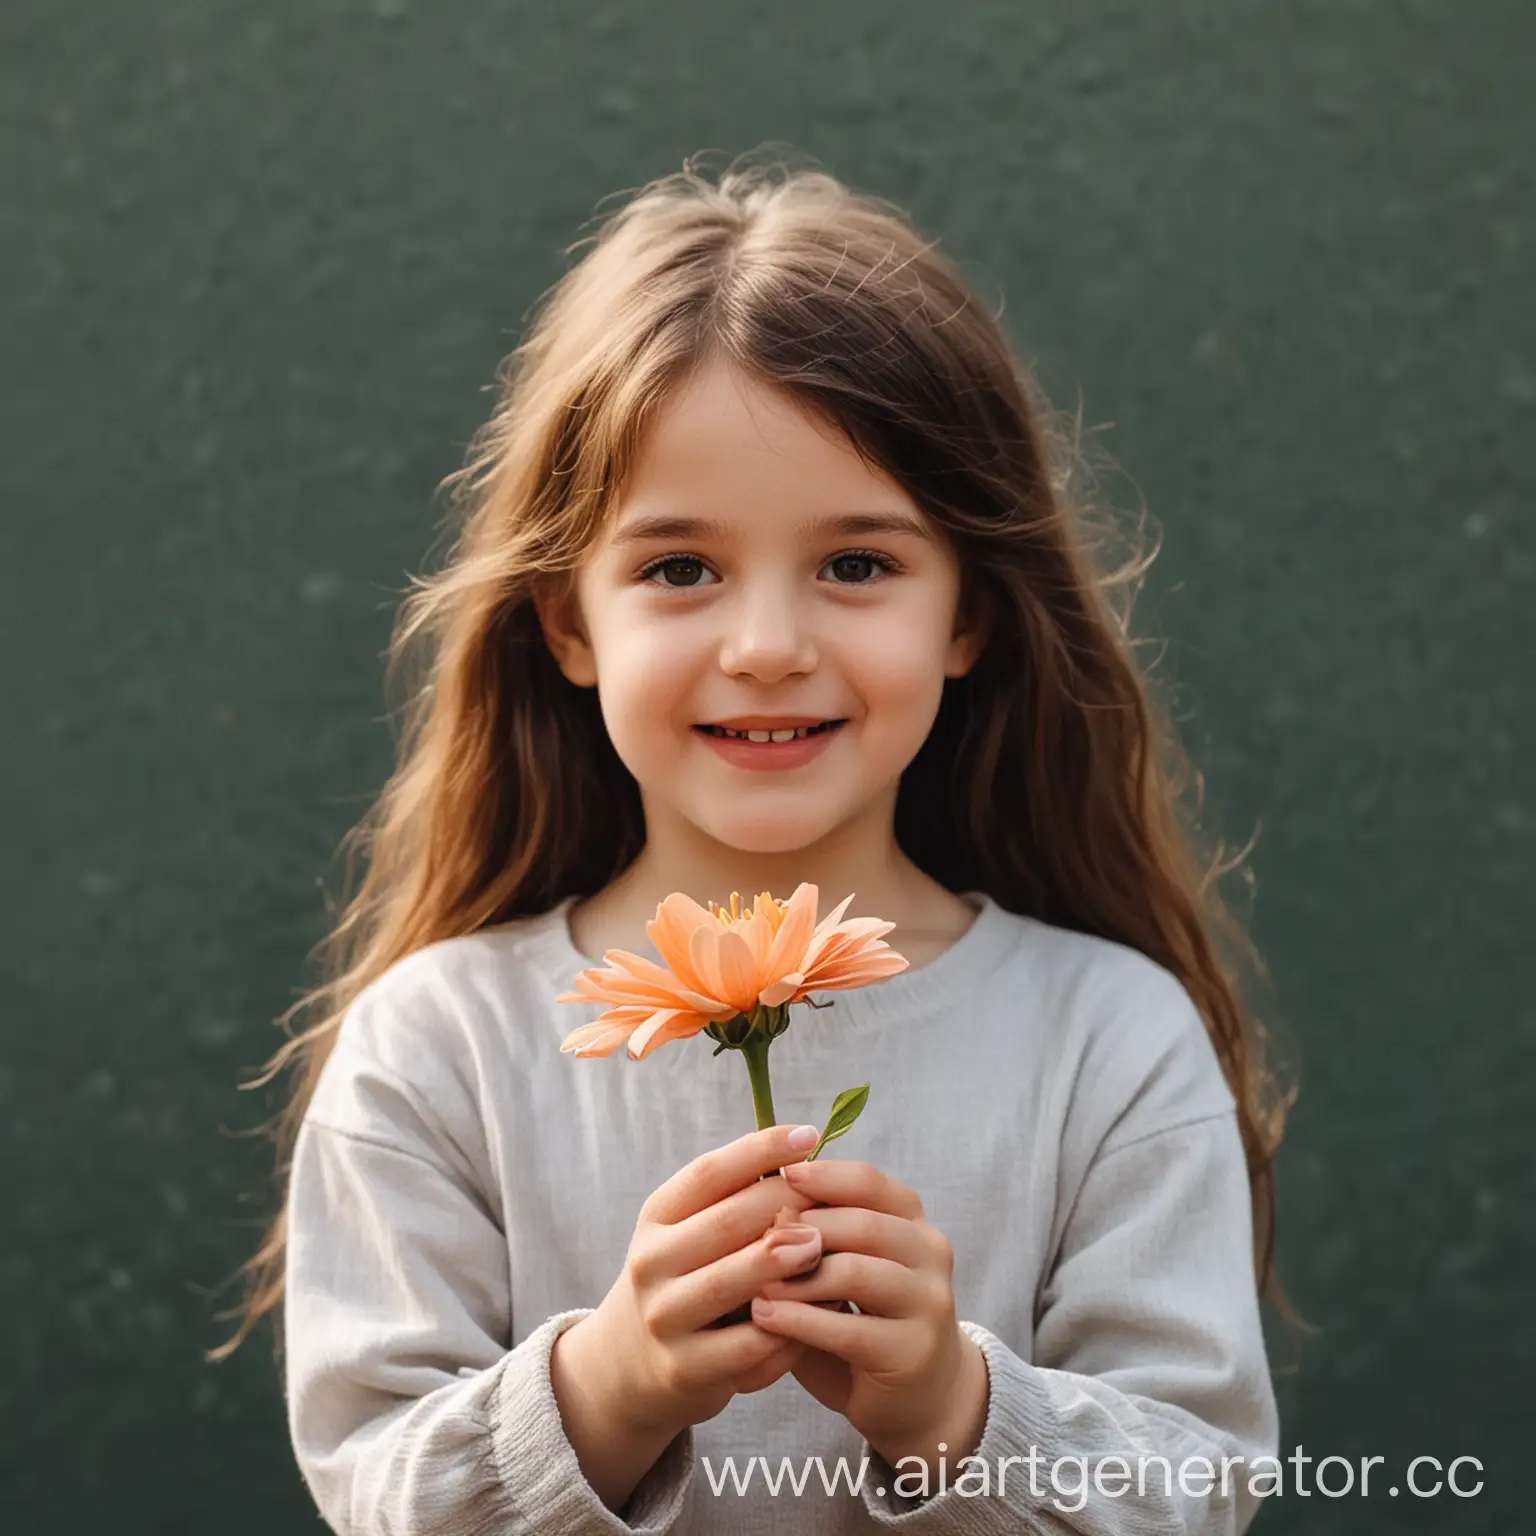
(407, 1411)
(1148, 1344)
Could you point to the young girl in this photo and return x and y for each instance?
(763, 462)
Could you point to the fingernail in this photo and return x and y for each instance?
(793, 1236)
(802, 1259)
(803, 1137)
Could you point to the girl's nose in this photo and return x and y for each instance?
(767, 638)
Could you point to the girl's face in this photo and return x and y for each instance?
(754, 601)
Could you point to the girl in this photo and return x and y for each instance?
(763, 462)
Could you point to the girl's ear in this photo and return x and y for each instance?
(972, 627)
(559, 610)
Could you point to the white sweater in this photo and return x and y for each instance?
(461, 1192)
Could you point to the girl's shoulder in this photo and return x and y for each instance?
(1130, 1045)
(1101, 985)
(515, 953)
(435, 1018)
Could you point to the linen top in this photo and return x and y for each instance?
(461, 1192)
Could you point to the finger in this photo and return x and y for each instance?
(875, 1286)
(867, 1342)
(725, 1227)
(845, 1181)
(852, 1229)
(693, 1300)
(723, 1170)
(724, 1354)
(783, 1359)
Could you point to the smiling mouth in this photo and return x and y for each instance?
(799, 733)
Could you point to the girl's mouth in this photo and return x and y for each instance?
(792, 749)
(766, 737)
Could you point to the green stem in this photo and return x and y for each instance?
(755, 1049)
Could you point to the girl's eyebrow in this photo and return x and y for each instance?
(640, 529)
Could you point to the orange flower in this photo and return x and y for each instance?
(724, 962)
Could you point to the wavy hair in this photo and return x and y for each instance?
(1052, 777)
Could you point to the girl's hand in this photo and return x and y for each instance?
(705, 1242)
(900, 1370)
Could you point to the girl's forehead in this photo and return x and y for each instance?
(724, 443)
(720, 410)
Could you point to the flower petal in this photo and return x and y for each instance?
(617, 986)
(757, 928)
(599, 1039)
(701, 955)
(834, 917)
(794, 935)
(664, 1025)
(769, 911)
(677, 919)
(657, 984)
(856, 931)
(781, 991)
(841, 960)
(857, 971)
(739, 978)
(838, 949)
(589, 985)
(641, 968)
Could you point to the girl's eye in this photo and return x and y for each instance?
(668, 562)
(693, 564)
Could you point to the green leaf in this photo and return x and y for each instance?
(846, 1108)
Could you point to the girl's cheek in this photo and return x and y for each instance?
(899, 670)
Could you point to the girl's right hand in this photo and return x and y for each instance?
(705, 1242)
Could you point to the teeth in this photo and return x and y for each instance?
(761, 736)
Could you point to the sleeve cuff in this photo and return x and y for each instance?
(538, 1465)
(1019, 1415)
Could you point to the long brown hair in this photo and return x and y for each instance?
(1051, 778)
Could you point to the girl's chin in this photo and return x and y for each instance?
(767, 844)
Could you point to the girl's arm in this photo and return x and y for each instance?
(406, 1409)
(614, 1455)
(1148, 1362)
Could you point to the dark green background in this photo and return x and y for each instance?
(259, 262)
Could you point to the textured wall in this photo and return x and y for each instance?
(259, 262)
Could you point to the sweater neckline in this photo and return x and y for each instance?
(993, 934)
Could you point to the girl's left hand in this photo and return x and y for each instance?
(901, 1370)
